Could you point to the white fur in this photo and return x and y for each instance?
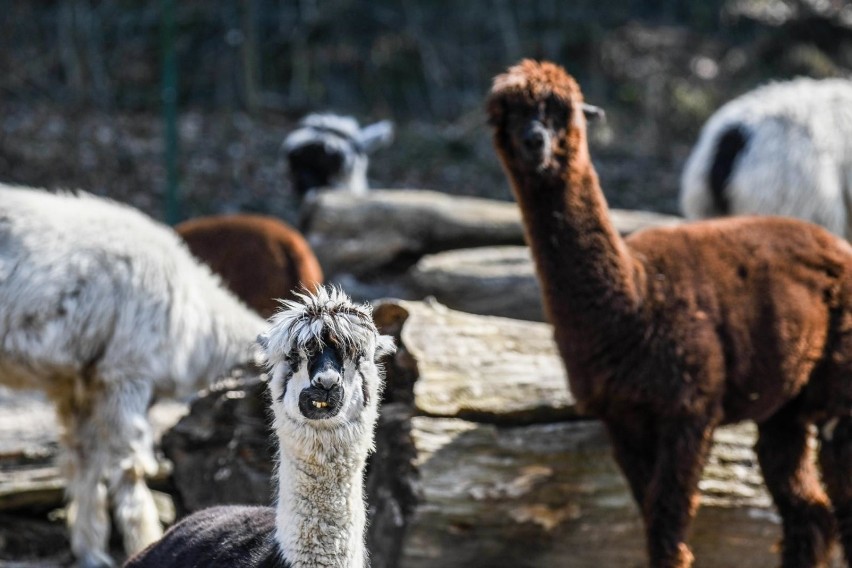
(798, 157)
(320, 512)
(102, 308)
(343, 135)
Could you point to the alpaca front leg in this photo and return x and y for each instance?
(88, 516)
(792, 480)
(836, 461)
(672, 496)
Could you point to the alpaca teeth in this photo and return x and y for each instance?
(319, 404)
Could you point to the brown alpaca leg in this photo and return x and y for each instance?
(672, 496)
(836, 461)
(791, 478)
(634, 447)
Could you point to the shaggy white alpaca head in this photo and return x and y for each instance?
(323, 352)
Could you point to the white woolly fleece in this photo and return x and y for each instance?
(798, 156)
(84, 280)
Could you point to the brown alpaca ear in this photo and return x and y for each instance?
(593, 113)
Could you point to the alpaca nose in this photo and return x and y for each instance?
(535, 137)
(327, 379)
(326, 368)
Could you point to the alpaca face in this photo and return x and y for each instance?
(323, 352)
(534, 132)
(324, 379)
(317, 164)
(327, 384)
(534, 109)
(329, 151)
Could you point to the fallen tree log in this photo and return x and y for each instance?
(489, 281)
(389, 230)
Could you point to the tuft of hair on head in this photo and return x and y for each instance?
(325, 126)
(344, 125)
(530, 82)
(327, 313)
(537, 80)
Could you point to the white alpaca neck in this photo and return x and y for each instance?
(321, 514)
(210, 342)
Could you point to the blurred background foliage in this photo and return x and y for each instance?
(80, 86)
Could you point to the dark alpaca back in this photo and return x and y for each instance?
(218, 537)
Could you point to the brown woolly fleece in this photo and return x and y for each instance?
(672, 332)
(260, 258)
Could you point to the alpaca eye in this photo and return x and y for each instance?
(353, 354)
(310, 349)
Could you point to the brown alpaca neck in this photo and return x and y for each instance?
(585, 269)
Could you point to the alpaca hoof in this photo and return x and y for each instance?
(684, 557)
(680, 558)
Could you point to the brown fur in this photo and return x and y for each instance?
(672, 332)
(260, 258)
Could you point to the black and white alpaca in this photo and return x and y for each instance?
(782, 149)
(331, 151)
(325, 383)
(102, 308)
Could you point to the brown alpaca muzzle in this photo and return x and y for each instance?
(536, 145)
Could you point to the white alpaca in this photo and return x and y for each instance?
(325, 383)
(331, 151)
(782, 149)
(102, 309)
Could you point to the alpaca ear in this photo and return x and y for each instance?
(376, 135)
(385, 345)
(593, 113)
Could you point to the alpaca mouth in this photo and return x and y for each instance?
(316, 403)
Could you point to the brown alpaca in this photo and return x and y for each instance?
(672, 332)
(259, 258)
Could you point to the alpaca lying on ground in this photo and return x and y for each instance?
(674, 331)
(260, 258)
(325, 384)
(331, 151)
(783, 149)
(102, 309)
